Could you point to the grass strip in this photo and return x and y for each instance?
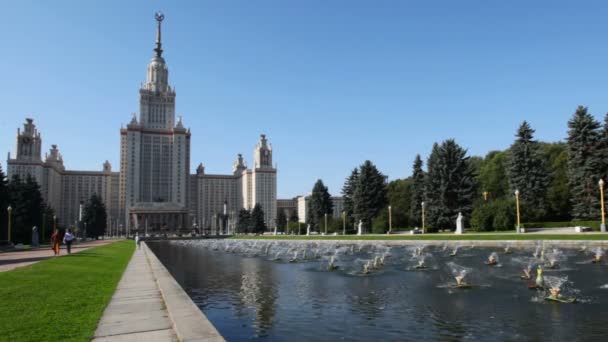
(63, 298)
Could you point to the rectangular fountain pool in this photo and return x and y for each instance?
(285, 291)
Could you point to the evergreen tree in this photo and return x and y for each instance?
(319, 205)
(293, 216)
(369, 197)
(244, 223)
(558, 193)
(281, 221)
(4, 203)
(95, 217)
(26, 201)
(583, 165)
(257, 225)
(348, 191)
(603, 150)
(417, 193)
(450, 185)
(46, 229)
(528, 173)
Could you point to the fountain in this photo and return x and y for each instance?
(492, 259)
(460, 273)
(598, 252)
(420, 265)
(527, 272)
(553, 258)
(555, 286)
(454, 251)
(539, 283)
(332, 264)
(507, 249)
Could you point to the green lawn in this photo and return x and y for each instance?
(61, 299)
(438, 236)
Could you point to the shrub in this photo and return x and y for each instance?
(498, 214)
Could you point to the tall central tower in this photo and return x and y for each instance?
(155, 154)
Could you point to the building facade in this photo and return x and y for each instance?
(154, 189)
(302, 203)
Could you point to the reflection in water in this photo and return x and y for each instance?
(255, 293)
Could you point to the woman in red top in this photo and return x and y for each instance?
(56, 241)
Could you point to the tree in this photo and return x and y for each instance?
(527, 172)
(319, 205)
(558, 193)
(450, 185)
(369, 197)
(244, 223)
(348, 191)
(417, 193)
(28, 205)
(281, 221)
(4, 203)
(583, 165)
(293, 215)
(95, 217)
(603, 150)
(257, 224)
(492, 176)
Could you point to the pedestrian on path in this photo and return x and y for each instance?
(68, 238)
(56, 241)
(137, 241)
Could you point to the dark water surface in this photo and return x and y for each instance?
(247, 296)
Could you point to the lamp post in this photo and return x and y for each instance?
(10, 212)
(343, 222)
(485, 195)
(423, 212)
(325, 223)
(54, 223)
(518, 212)
(390, 219)
(603, 225)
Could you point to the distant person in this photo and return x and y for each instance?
(68, 238)
(56, 241)
(137, 241)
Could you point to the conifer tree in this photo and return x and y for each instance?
(450, 186)
(257, 224)
(293, 216)
(319, 205)
(4, 203)
(417, 192)
(527, 172)
(243, 226)
(370, 195)
(95, 217)
(348, 191)
(584, 166)
(281, 220)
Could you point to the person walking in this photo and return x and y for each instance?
(56, 241)
(137, 241)
(68, 238)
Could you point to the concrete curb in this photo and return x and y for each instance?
(189, 322)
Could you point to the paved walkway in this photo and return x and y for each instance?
(16, 259)
(137, 311)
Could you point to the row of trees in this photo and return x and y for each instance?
(251, 221)
(28, 209)
(556, 182)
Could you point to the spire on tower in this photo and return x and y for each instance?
(159, 19)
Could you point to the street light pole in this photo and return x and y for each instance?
(423, 207)
(603, 225)
(390, 219)
(325, 223)
(518, 212)
(10, 211)
(343, 222)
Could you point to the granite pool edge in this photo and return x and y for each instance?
(480, 243)
(189, 322)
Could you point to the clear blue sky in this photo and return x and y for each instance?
(331, 83)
